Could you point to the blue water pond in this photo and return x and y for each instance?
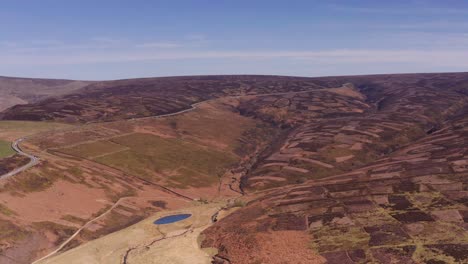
(171, 219)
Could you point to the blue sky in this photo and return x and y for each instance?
(112, 39)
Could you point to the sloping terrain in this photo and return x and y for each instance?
(147, 242)
(126, 99)
(15, 91)
(381, 181)
(358, 169)
(99, 178)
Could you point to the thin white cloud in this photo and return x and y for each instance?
(419, 39)
(195, 37)
(97, 43)
(428, 26)
(46, 42)
(162, 45)
(433, 25)
(196, 40)
(446, 58)
(108, 40)
(413, 9)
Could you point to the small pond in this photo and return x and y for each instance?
(171, 219)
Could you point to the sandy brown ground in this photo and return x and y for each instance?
(55, 202)
(171, 243)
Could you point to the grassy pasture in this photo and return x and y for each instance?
(33, 126)
(92, 149)
(5, 149)
(186, 177)
(130, 162)
(9, 129)
(200, 145)
(185, 163)
(209, 125)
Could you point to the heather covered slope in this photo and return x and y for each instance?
(374, 178)
(332, 133)
(350, 169)
(134, 98)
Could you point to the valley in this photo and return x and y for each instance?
(353, 169)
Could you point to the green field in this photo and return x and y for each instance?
(92, 149)
(30, 126)
(10, 130)
(182, 163)
(5, 149)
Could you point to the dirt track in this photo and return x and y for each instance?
(176, 242)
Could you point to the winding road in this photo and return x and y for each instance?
(33, 160)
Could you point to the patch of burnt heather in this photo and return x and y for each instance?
(413, 216)
(338, 257)
(457, 251)
(388, 234)
(406, 186)
(436, 261)
(394, 254)
(289, 222)
(326, 218)
(160, 204)
(440, 202)
(357, 255)
(399, 202)
(217, 259)
(465, 216)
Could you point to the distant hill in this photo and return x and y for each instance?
(15, 91)
(133, 98)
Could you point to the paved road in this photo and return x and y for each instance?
(33, 160)
(194, 106)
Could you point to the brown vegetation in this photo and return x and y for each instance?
(357, 169)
